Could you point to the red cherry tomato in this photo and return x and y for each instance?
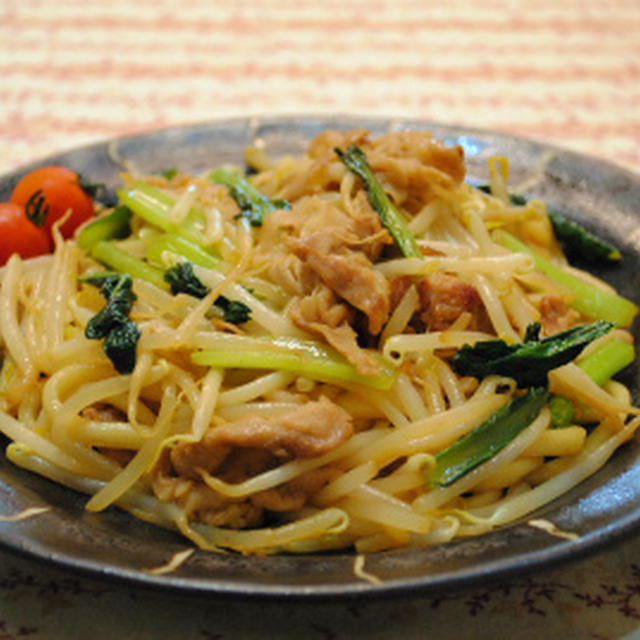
(47, 193)
(19, 235)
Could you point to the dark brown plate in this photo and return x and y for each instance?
(602, 510)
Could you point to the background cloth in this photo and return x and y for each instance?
(565, 72)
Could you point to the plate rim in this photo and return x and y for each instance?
(552, 554)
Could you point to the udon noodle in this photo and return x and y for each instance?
(316, 422)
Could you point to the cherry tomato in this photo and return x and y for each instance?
(47, 193)
(19, 235)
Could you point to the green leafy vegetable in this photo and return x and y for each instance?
(483, 442)
(356, 160)
(576, 239)
(233, 311)
(529, 362)
(112, 322)
(167, 174)
(581, 242)
(254, 206)
(115, 224)
(182, 279)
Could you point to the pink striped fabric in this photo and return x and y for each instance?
(563, 71)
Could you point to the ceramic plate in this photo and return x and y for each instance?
(602, 510)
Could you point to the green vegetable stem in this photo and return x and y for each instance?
(115, 224)
(305, 357)
(356, 160)
(179, 246)
(591, 301)
(154, 206)
(111, 255)
(607, 360)
(600, 365)
(562, 410)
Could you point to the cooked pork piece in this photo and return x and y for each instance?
(313, 429)
(556, 315)
(350, 274)
(321, 313)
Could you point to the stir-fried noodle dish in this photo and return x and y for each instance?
(356, 348)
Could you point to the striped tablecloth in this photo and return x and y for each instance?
(561, 71)
(564, 71)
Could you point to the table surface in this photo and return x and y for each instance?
(563, 71)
